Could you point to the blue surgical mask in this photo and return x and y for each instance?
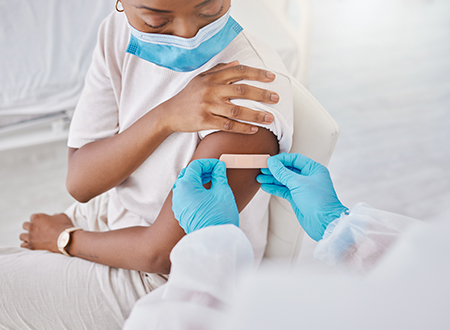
(182, 54)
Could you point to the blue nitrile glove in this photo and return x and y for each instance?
(196, 207)
(307, 186)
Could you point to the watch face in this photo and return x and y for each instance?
(63, 239)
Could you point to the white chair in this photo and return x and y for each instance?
(315, 136)
(296, 19)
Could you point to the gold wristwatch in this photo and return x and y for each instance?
(64, 239)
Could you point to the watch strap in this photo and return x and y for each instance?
(69, 231)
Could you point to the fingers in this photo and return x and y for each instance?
(24, 237)
(236, 112)
(230, 125)
(248, 92)
(267, 179)
(219, 175)
(279, 191)
(198, 169)
(272, 186)
(239, 72)
(213, 169)
(220, 67)
(282, 174)
(181, 173)
(26, 226)
(294, 160)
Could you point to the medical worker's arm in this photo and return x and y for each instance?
(203, 104)
(355, 239)
(148, 248)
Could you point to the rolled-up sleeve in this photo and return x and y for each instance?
(282, 126)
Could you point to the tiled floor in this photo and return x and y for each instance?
(382, 70)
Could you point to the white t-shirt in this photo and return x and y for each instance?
(120, 88)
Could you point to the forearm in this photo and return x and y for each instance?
(138, 248)
(104, 164)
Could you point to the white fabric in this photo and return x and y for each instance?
(407, 290)
(121, 87)
(358, 240)
(207, 267)
(46, 48)
(43, 290)
(49, 291)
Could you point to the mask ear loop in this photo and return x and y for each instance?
(117, 8)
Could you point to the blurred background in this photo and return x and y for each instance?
(381, 68)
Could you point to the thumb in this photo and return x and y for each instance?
(281, 173)
(219, 175)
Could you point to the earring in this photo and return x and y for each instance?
(117, 8)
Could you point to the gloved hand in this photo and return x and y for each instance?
(196, 207)
(307, 186)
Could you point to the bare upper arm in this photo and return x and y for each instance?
(166, 232)
(242, 182)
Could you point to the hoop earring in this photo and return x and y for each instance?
(117, 8)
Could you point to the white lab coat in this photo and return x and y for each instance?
(405, 263)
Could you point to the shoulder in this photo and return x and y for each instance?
(113, 36)
(254, 52)
(250, 50)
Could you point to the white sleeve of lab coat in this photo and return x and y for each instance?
(206, 268)
(356, 241)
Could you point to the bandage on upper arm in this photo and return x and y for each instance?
(244, 160)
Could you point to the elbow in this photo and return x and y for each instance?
(157, 264)
(75, 190)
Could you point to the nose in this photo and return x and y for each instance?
(185, 28)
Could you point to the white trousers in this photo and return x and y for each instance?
(44, 290)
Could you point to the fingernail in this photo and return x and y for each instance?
(274, 97)
(268, 118)
(270, 75)
(254, 129)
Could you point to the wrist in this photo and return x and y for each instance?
(163, 116)
(330, 227)
(65, 239)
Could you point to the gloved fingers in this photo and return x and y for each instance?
(293, 169)
(219, 175)
(198, 170)
(265, 171)
(294, 160)
(282, 174)
(262, 178)
(206, 177)
(279, 191)
(180, 176)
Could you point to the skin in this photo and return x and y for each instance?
(101, 165)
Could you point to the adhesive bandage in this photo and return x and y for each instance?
(244, 161)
